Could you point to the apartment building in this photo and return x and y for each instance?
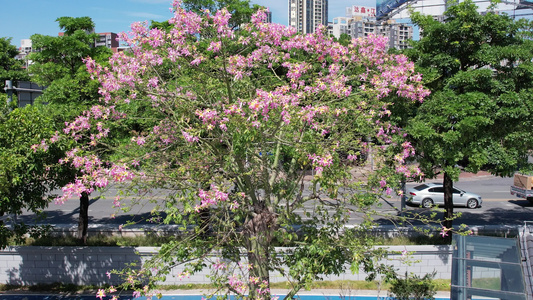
(307, 15)
(360, 21)
(107, 39)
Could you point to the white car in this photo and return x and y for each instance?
(429, 194)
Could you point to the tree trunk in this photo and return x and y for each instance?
(447, 222)
(83, 221)
(258, 233)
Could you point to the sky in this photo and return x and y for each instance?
(21, 19)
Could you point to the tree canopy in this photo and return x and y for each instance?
(59, 65)
(259, 136)
(478, 68)
(28, 176)
(10, 67)
(70, 24)
(59, 62)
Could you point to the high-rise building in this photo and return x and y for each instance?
(307, 15)
(269, 17)
(107, 39)
(360, 21)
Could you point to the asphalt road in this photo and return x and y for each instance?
(499, 207)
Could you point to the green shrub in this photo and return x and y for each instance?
(413, 287)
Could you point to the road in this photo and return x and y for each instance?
(499, 207)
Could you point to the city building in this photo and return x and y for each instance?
(399, 34)
(107, 39)
(360, 21)
(25, 46)
(269, 17)
(25, 49)
(307, 15)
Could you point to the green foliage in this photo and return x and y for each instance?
(27, 176)
(480, 109)
(148, 240)
(59, 63)
(240, 9)
(413, 287)
(10, 68)
(479, 115)
(71, 25)
(345, 39)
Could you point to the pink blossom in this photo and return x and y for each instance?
(382, 183)
(211, 197)
(404, 253)
(100, 294)
(219, 265)
(189, 138)
(324, 161)
(444, 232)
(116, 201)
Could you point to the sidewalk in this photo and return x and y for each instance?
(465, 176)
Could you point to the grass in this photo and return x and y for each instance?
(148, 240)
(411, 240)
(343, 286)
(50, 288)
(153, 240)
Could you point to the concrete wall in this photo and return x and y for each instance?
(88, 265)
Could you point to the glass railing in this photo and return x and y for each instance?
(489, 267)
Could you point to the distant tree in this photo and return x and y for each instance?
(10, 67)
(28, 176)
(70, 24)
(344, 39)
(59, 62)
(479, 69)
(165, 25)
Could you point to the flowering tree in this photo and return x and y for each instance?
(260, 136)
(69, 88)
